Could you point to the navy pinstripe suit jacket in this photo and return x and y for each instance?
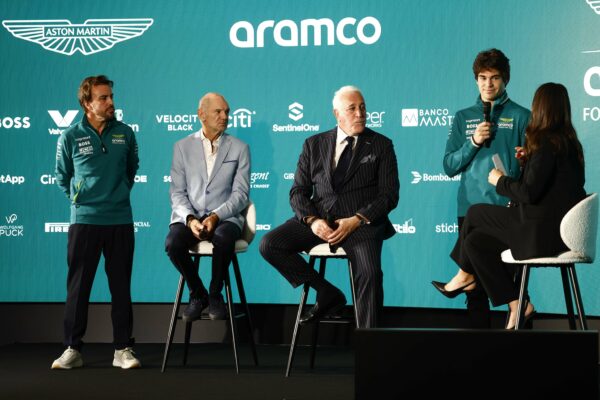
(371, 186)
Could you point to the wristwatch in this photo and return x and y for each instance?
(361, 220)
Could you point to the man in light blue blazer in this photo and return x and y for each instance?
(210, 180)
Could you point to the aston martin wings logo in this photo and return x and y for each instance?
(595, 4)
(93, 36)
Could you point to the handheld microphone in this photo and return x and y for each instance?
(487, 108)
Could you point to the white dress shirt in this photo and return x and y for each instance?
(210, 152)
(341, 143)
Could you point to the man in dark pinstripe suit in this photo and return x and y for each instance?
(345, 185)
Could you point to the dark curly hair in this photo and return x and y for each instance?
(492, 59)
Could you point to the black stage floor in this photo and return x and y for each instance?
(209, 374)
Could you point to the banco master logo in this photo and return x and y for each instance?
(416, 117)
(418, 177)
(286, 32)
(93, 36)
(61, 121)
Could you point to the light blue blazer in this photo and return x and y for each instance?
(225, 192)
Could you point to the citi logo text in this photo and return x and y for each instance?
(241, 118)
(286, 33)
(93, 36)
(61, 121)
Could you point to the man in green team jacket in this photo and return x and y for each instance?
(96, 162)
(476, 135)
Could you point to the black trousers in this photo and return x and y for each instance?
(180, 239)
(86, 244)
(482, 239)
(281, 248)
(478, 305)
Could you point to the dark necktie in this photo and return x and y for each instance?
(343, 164)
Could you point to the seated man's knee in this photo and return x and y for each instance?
(174, 247)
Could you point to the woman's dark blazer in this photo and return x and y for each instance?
(548, 187)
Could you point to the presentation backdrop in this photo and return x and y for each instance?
(278, 64)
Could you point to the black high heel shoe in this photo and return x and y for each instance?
(527, 321)
(451, 293)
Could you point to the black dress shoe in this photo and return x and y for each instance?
(194, 310)
(450, 293)
(324, 308)
(216, 307)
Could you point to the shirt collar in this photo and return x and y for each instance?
(215, 142)
(341, 136)
(503, 98)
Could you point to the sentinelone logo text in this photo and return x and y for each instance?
(295, 113)
(93, 36)
(286, 32)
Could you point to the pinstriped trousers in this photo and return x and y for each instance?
(281, 248)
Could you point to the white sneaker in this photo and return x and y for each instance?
(70, 358)
(125, 359)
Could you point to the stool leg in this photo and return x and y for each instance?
(186, 341)
(303, 297)
(242, 293)
(353, 290)
(577, 294)
(522, 289)
(315, 336)
(568, 299)
(231, 309)
(173, 323)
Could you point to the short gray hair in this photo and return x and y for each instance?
(206, 99)
(342, 91)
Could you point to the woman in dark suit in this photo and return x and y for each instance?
(551, 183)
